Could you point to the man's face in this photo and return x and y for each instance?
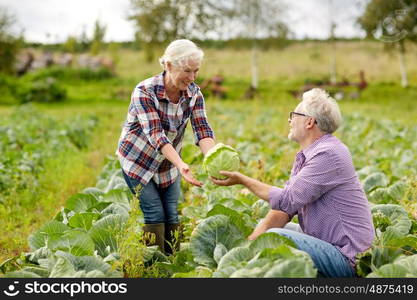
(183, 75)
(297, 126)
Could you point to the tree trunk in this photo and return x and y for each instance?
(254, 16)
(333, 70)
(404, 79)
(149, 52)
(254, 66)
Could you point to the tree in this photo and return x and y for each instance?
(9, 44)
(84, 42)
(159, 21)
(256, 19)
(98, 37)
(70, 45)
(394, 22)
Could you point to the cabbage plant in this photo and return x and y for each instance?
(221, 158)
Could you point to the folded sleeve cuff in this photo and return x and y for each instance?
(275, 200)
(275, 196)
(162, 141)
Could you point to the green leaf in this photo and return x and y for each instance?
(392, 218)
(117, 209)
(89, 264)
(404, 266)
(42, 272)
(22, 274)
(235, 256)
(199, 272)
(397, 190)
(211, 231)
(47, 235)
(83, 220)
(116, 181)
(183, 262)
(269, 240)
(76, 242)
(104, 233)
(234, 217)
(63, 215)
(260, 209)
(81, 202)
(296, 267)
(219, 251)
(233, 204)
(262, 256)
(62, 269)
(122, 196)
(40, 253)
(97, 193)
(377, 179)
(380, 195)
(256, 270)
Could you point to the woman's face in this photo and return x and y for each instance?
(183, 75)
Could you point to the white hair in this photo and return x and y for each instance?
(179, 51)
(318, 104)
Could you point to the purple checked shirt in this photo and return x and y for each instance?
(325, 192)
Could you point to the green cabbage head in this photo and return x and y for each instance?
(221, 158)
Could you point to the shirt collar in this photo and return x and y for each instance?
(310, 150)
(161, 91)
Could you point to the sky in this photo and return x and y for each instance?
(52, 21)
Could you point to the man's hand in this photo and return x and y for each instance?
(274, 219)
(261, 228)
(188, 176)
(232, 178)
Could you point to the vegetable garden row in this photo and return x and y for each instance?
(98, 232)
(28, 138)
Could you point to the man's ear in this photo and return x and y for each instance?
(310, 122)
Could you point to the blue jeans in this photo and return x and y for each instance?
(159, 205)
(328, 260)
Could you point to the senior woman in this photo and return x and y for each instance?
(151, 140)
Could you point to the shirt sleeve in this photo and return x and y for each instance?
(147, 114)
(199, 120)
(317, 177)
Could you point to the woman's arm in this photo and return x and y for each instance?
(199, 122)
(206, 144)
(169, 152)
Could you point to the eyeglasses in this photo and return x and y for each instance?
(300, 114)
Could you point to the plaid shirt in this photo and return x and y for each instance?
(152, 122)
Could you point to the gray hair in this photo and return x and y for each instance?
(318, 104)
(179, 51)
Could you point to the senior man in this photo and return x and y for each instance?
(335, 223)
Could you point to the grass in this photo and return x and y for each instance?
(63, 176)
(280, 71)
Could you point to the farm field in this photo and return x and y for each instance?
(69, 214)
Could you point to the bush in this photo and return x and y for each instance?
(69, 74)
(42, 90)
(9, 44)
(8, 86)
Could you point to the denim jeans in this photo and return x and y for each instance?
(159, 205)
(328, 260)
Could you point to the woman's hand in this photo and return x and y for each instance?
(188, 176)
(232, 178)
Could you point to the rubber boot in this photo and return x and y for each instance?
(156, 230)
(172, 239)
